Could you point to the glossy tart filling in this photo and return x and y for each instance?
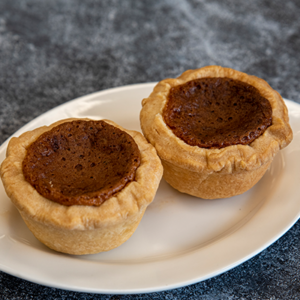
(81, 162)
(217, 112)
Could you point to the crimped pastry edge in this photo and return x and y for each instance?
(229, 159)
(131, 201)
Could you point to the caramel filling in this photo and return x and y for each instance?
(81, 162)
(217, 112)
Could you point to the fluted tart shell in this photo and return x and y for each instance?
(81, 229)
(212, 173)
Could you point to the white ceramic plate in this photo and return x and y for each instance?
(180, 240)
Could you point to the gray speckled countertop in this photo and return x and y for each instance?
(55, 51)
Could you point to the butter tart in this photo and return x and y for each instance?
(81, 186)
(215, 129)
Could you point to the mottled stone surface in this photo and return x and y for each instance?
(55, 51)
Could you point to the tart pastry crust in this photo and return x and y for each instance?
(81, 229)
(214, 173)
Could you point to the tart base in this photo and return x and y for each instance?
(79, 242)
(212, 185)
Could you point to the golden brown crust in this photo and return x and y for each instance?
(191, 160)
(111, 223)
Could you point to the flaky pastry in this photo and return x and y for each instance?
(81, 229)
(214, 172)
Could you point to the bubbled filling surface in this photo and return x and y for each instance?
(81, 162)
(217, 112)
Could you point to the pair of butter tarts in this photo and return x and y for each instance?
(82, 186)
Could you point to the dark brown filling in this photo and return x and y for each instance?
(81, 162)
(217, 112)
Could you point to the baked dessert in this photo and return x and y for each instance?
(215, 129)
(81, 186)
